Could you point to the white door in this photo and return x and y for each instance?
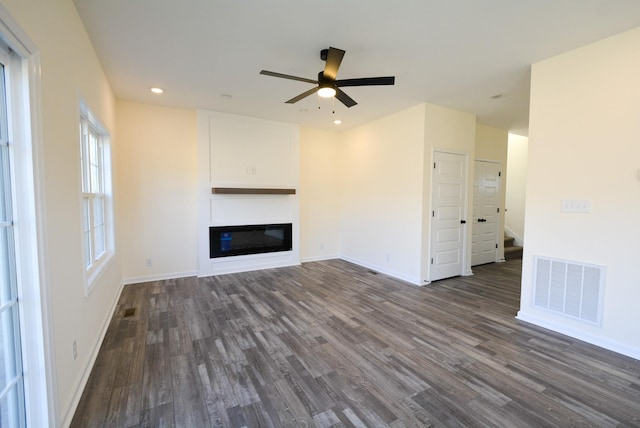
(448, 219)
(486, 204)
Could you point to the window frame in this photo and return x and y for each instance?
(95, 187)
(10, 303)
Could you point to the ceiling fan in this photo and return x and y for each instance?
(327, 84)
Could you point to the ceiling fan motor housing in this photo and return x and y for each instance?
(323, 54)
(326, 81)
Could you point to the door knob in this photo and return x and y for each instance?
(463, 221)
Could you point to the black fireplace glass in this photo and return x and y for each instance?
(225, 241)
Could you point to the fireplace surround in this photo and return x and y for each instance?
(248, 175)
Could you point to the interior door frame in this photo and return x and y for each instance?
(466, 256)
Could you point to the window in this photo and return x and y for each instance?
(97, 234)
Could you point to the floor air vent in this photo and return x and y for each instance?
(570, 288)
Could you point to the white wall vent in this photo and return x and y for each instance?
(570, 288)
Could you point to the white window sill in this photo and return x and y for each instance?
(95, 272)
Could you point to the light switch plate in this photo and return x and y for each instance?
(575, 206)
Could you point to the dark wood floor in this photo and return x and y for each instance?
(333, 344)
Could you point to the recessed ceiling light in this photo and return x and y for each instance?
(303, 110)
(337, 121)
(157, 90)
(225, 96)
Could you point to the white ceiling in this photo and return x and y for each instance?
(454, 53)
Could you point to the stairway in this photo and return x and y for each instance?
(511, 251)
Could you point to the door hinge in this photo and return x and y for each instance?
(499, 174)
(434, 165)
(433, 213)
(496, 245)
(497, 210)
(431, 260)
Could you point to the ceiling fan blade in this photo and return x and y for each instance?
(344, 98)
(287, 76)
(334, 58)
(367, 81)
(301, 96)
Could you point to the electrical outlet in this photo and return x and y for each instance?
(148, 262)
(74, 349)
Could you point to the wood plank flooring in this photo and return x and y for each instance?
(331, 344)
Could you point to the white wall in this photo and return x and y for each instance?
(516, 186)
(492, 144)
(583, 144)
(69, 70)
(320, 187)
(381, 199)
(449, 131)
(158, 178)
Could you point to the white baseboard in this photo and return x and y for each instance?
(319, 258)
(602, 342)
(70, 408)
(518, 240)
(397, 275)
(158, 277)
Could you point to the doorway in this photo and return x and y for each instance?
(486, 211)
(448, 215)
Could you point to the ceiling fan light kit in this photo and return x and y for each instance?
(327, 84)
(326, 92)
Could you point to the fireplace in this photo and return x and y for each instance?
(225, 241)
(248, 174)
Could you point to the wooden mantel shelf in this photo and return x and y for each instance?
(251, 191)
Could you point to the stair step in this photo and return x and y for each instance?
(513, 252)
(508, 241)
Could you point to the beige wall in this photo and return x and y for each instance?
(157, 177)
(516, 186)
(491, 143)
(583, 145)
(320, 188)
(449, 131)
(381, 198)
(70, 70)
